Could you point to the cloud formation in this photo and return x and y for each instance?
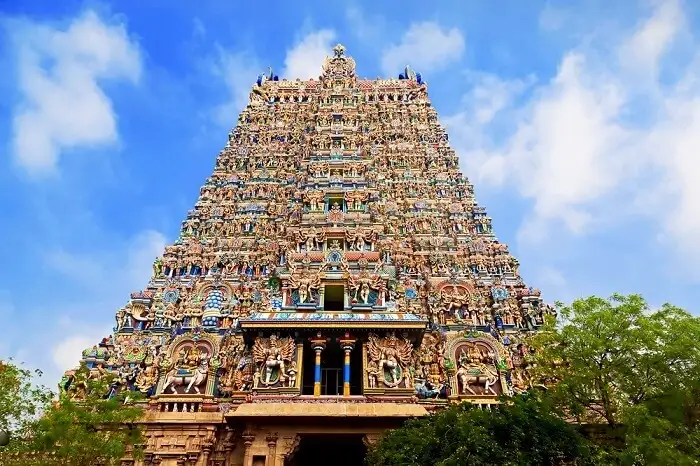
(109, 278)
(616, 132)
(423, 46)
(62, 105)
(101, 279)
(305, 58)
(238, 71)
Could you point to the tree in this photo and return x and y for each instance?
(520, 431)
(616, 361)
(20, 400)
(82, 426)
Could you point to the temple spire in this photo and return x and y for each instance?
(335, 250)
(339, 66)
(339, 51)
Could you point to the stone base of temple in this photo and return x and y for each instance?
(271, 433)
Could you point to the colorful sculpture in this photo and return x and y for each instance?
(335, 213)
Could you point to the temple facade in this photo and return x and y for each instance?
(334, 278)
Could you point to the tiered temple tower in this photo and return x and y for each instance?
(334, 278)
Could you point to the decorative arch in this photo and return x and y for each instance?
(188, 340)
(449, 285)
(173, 369)
(205, 288)
(483, 339)
(213, 295)
(478, 366)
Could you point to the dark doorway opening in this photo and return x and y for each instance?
(322, 450)
(334, 298)
(332, 370)
(356, 369)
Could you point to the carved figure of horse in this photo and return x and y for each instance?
(191, 379)
(477, 376)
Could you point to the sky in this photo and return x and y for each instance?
(577, 122)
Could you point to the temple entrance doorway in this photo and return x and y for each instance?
(332, 368)
(335, 449)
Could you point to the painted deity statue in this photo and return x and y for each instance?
(476, 368)
(190, 369)
(272, 355)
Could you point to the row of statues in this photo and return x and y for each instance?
(475, 365)
(335, 200)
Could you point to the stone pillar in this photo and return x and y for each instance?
(348, 344)
(229, 445)
(318, 344)
(272, 446)
(248, 440)
(207, 448)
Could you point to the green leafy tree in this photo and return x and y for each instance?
(521, 431)
(20, 400)
(82, 426)
(618, 362)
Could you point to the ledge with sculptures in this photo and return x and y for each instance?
(336, 220)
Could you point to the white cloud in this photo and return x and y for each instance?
(364, 27)
(644, 49)
(553, 280)
(67, 353)
(305, 59)
(553, 18)
(606, 137)
(131, 264)
(63, 106)
(239, 70)
(423, 46)
(99, 281)
(105, 278)
(199, 31)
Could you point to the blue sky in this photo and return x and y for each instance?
(578, 123)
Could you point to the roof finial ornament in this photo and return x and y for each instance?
(339, 51)
(410, 74)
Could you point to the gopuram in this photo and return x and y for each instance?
(334, 278)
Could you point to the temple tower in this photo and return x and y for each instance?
(335, 277)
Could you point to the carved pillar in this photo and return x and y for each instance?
(348, 344)
(207, 447)
(318, 344)
(248, 440)
(229, 445)
(272, 446)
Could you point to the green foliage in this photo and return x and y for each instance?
(616, 361)
(20, 399)
(80, 427)
(518, 432)
(630, 374)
